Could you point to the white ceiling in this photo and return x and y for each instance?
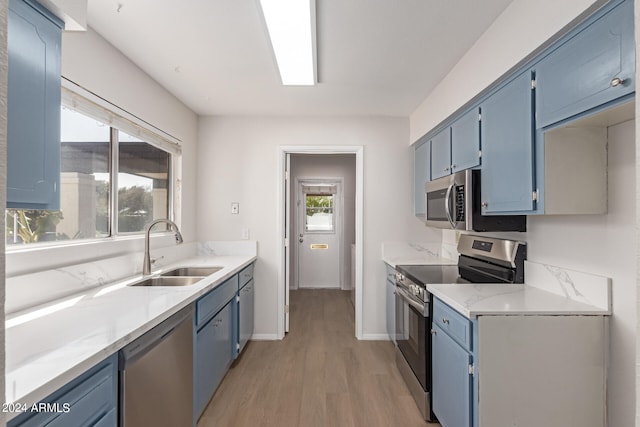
(375, 57)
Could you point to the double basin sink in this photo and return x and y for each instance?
(183, 276)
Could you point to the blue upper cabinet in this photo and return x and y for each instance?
(33, 107)
(592, 68)
(465, 141)
(508, 148)
(441, 154)
(421, 174)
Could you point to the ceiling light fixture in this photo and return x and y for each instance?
(292, 30)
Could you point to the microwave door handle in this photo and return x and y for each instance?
(447, 208)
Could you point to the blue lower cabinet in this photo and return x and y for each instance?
(453, 371)
(89, 400)
(214, 346)
(246, 300)
(391, 302)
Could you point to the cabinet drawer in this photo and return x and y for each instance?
(453, 323)
(82, 402)
(245, 275)
(212, 302)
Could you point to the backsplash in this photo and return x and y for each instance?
(582, 287)
(29, 287)
(394, 253)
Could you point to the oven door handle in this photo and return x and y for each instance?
(447, 208)
(405, 296)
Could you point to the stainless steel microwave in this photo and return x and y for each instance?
(453, 202)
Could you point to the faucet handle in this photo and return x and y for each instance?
(154, 260)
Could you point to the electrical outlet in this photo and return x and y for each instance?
(235, 208)
(245, 234)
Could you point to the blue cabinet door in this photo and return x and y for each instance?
(246, 303)
(465, 141)
(213, 356)
(441, 154)
(421, 174)
(33, 107)
(89, 400)
(507, 148)
(580, 74)
(451, 381)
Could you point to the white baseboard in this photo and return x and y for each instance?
(375, 337)
(264, 337)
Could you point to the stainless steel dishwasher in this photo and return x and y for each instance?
(156, 375)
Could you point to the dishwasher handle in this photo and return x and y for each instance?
(141, 346)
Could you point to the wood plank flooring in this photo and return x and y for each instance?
(319, 375)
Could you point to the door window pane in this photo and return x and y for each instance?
(319, 212)
(143, 183)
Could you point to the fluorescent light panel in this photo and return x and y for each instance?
(292, 34)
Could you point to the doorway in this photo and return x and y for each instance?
(303, 171)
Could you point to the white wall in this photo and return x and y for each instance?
(333, 166)
(238, 161)
(517, 32)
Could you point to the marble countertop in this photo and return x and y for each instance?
(48, 346)
(473, 300)
(403, 253)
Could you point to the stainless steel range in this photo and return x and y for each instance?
(482, 260)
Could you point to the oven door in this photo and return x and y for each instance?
(412, 326)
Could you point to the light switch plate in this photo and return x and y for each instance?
(235, 208)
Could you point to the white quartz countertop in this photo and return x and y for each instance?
(404, 253)
(473, 300)
(48, 346)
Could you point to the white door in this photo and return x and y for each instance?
(319, 226)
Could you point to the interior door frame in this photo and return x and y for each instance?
(339, 225)
(283, 253)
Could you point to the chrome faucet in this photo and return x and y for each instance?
(146, 266)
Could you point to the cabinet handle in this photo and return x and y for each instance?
(484, 204)
(453, 167)
(445, 170)
(445, 320)
(616, 81)
(433, 332)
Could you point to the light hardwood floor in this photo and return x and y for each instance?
(319, 375)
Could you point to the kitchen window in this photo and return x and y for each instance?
(105, 169)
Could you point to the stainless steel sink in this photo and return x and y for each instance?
(168, 281)
(191, 271)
